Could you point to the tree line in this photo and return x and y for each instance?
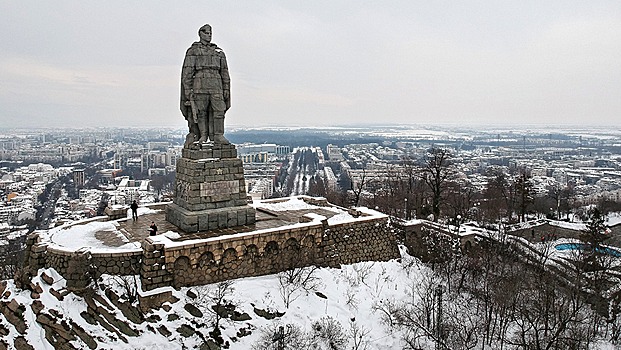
(430, 187)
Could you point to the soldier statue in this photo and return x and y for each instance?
(205, 90)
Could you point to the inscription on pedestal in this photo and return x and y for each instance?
(219, 188)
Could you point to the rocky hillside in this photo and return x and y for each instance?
(314, 307)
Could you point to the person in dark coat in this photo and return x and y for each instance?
(134, 208)
(152, 229)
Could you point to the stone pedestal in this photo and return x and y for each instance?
(116, 212)
(210, 190)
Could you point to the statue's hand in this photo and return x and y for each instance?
(227, 98)
(187, 103)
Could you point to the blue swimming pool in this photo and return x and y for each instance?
(581, 246)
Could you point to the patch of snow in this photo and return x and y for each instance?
(79, 236)
(339, 218)
(614, 219)
(142, 211)
(293, 203)
(172, 235)
(576, 226)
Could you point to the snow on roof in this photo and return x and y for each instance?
(339, 218)
(614, 219)
(576, 226)
(413, 222)
(527, 224)
(124, 182)
(466, 230)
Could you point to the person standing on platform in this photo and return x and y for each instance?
(134, 208)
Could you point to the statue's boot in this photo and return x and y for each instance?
(218, 130)
(202, 127)
(210, 125)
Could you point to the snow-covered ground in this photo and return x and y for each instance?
(348, 295)
(79, 236)
(290, 203)
(84, 233)
(352, 297)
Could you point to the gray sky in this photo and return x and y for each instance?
(304, 63)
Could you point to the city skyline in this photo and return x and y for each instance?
(322, 63)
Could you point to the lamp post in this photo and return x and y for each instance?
(405, 208)
(439, 333)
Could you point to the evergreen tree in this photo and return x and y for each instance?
(525, 193)
(593, 237)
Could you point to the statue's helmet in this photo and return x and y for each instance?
(206, 26)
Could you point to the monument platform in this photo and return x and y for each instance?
(210, 189)
(287, 233)
(127, 234)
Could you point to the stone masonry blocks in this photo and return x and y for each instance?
(320, 244)
(209, 219)
(210, 190)
(227, 257)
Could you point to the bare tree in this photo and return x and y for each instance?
(358, 186)
(295, 281)
(283, 337)
(329, 332)
(358, 335)
(548, 318)
(498, 198)
(461, 326)
(128, 286)
(460, 198)
(435, 172)
(214, 297)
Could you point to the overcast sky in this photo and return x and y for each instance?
(304, 63)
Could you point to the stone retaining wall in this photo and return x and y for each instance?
(162, 262)
(415, 235)
(229, 257)
(79, 267)
(117, 263)
(353, 242)
(261, 253)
